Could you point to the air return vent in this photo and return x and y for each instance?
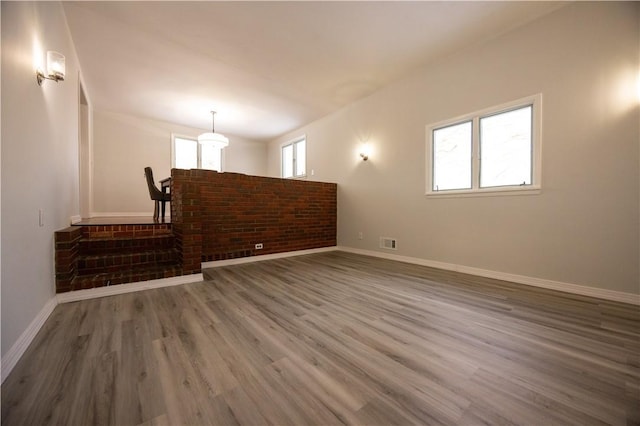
(388, 243)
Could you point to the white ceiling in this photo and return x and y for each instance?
(267, 67)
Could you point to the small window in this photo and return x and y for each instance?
(187, 153)
(294, 158)
(497, 149)
(210, 158)
(505, 148)
(452, 157)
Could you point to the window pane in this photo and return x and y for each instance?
(211, 157)
(506, 148)
(186, 152)
(287, 161)
(452, 157)
(301, 157)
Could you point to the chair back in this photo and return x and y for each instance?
(154, 192)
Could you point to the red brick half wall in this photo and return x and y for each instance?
(233, 212)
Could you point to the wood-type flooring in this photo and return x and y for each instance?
(327, 339)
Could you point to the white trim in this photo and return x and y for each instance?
(617, 296)
(251, 259)
(486, 192)
(13, 355)
(112, 290)
(75, 219)
(122, 214)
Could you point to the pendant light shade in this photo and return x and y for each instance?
(212, 138)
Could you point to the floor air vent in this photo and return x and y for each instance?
(388, 243)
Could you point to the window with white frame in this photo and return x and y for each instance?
(187, 153)
(294, 155)
(494, 150)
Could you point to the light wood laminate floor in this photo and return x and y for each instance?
(332, 338)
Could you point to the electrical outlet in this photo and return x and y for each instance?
(360, 235)
(259, 246)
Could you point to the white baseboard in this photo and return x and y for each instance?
(600, 293)
(75, 219)
(18, 349)
(259, 258)
(582, 290)
(93, 293)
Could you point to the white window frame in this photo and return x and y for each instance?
(536, 152)
(292, 142)
(199, 154)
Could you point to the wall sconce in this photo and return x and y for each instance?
(365, 151)
(55, 68)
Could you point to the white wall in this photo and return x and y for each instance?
(39, 160)
(85, 155)
(245, 156)
(584, 226)
(123, 145)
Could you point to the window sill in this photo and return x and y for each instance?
(489, 192)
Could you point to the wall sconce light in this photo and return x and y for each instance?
(217, 140)
(55, 68)
(365, 151)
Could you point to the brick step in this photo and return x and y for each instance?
(125, 275)
(96, 246)
(125, 231)
(115, 262)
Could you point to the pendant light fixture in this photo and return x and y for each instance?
(213, 139)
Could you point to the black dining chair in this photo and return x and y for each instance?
(156, 195)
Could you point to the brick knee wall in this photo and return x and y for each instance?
(235, 212)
